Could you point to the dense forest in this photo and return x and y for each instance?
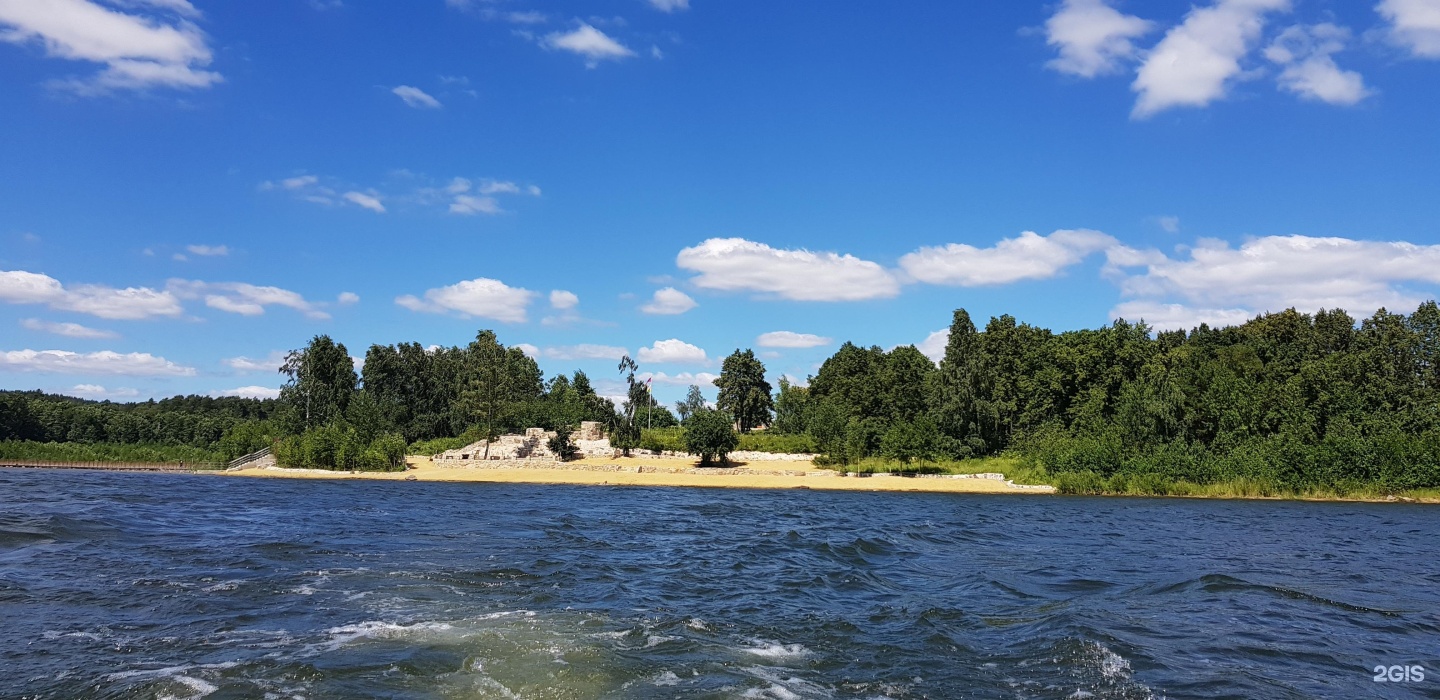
(1293, 401)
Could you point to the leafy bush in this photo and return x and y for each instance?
(777, 443)
(338, 446)
(560, 443)
(106, 452)
(711, 436)
(663, 440)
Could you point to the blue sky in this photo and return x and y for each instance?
(188, 189)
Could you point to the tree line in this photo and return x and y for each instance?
(1301, 401)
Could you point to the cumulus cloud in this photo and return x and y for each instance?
(131, 303)
(208, 250)
(69, 330)
(1219, 283)
(791, 339)
(670, 5)
(96, 391)
(481, 297)
(700, 379)
(1197, 61)
(1414, 25)
(669, 302)
(1028, 256)
(563, 300)
(105, 362)
(243, 298)
(367, 201)
(673, 350)
(585, 351)
(415, 97)
(933, 346)
(528, 349)
(249, 392)
(735, 264)
(246, 365)
(1168, 317)
(1308, 67)
(347, 298)
(147, 45)
(588, 42)
(1092, 37)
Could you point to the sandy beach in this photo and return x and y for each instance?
(645, 471)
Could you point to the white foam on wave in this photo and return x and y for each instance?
(775, 650)
(780, 686)
(666, 679)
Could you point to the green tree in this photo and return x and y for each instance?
(321, 381)
(710, 436)
(744, 393)
(624, 432)
(694, 401)
(791, 406)
(560, 443)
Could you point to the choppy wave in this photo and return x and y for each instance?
(146, 586)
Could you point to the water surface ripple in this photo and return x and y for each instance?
(171, 586)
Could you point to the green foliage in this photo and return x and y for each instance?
(246, 437)
(338, 446)
(709, 435)
(694, 401)
(560, 443)
(780, 443)
(792, 406)
(663, 439)
(321, 382)
(744, 393)
(108, 452)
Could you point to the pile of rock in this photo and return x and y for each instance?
(533, 445)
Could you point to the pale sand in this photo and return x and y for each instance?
(659, 472)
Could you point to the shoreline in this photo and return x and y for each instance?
(649, 471)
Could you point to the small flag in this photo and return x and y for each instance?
(647, 384)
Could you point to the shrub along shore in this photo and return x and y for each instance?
(1287, 404)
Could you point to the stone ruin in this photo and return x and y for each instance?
(534, 444)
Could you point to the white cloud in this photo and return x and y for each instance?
(1273, 273)
(466, 204)
(243, 298)
(298, 182)
(481, 297)
(701, 379)
(347, 298)
(670, 5)
(208, 250)
(1028, 256)
(250, 392)
(1414, 25)
(791, 339)
(561, 299)
(367, 201)
(415, 97)
(735, 264)
(589, 42)
(1196, 62)
(95, 391)
(586, 351)
(1169, 224)
(498, 187)
(528, 349)
(69, 330)
(1092, 37)
(1305, 53)
(933, 346)
(673, 350)
(1169, 317)
(106, 362)
(669, 302)
(138, 51)
(131, 303)
(246, 365)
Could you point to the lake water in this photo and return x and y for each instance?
(172, 586)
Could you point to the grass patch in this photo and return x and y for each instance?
(1014, 469)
